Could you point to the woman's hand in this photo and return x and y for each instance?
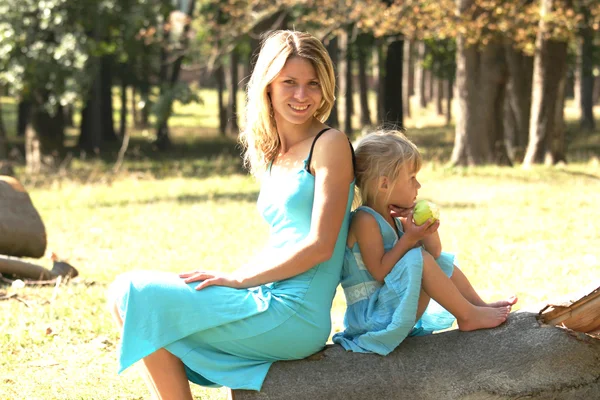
(211, 279)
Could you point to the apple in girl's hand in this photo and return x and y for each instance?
(425, 210)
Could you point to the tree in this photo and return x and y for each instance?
(43, 56)
(546, 131)
(585, 53)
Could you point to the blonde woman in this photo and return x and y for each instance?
(217, 329)
(393, 267)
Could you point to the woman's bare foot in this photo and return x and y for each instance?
(511, 301)
(483, 317)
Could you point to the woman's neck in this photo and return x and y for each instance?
(291, 134)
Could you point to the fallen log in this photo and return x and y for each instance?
(520, 359)
(26, 270)
(22, 232)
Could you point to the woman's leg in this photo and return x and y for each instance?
(163, 373)
(466, 289)
(469, 317)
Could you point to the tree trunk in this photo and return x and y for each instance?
(393, 84)
(106, 101)
(349, 94)
(411, 68)
(134, 111)
(407, 75)
(586, 56)
(333, 50)
(439, 95)
(429, 81)
(123, 120)
(557, 152)
(518, 109)
(420, 76)
(3, 137)
(92, 123)
(577, 75)
(493, 77)
(471, 147)
(23, 114)
(449, 92)
(69, 110)
(145, 97)
(381, 80)
(518, 360)
(163, 140)
(596, 91)
(220, 78)
(549, 69)
(362, 54)
(232, 88)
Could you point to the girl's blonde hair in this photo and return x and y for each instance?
(382, 153)
(259, 136)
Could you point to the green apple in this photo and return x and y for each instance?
(425, 210)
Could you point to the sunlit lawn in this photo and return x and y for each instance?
(529, 232)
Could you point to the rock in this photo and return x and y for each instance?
(519, 359)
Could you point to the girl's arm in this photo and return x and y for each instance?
(333, 172)
(433, 244)
(370, 242)
(378, 262)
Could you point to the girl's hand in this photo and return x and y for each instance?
(399, 212)
(211, 279)
(416, 232)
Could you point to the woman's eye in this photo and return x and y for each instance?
(288, 81)
(314, 83)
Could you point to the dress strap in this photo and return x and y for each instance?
(313, 146)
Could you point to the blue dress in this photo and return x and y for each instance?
(230, 337)
(380, 316)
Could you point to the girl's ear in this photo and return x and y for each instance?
(383, 183)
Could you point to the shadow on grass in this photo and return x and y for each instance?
(249, 197)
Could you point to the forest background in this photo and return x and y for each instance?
(121, 120)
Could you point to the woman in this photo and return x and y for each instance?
(218, 329)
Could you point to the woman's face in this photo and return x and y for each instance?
(295, 92)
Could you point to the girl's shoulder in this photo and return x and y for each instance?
(364, 217)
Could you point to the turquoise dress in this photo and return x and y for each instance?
(380, 316)
(230, 337)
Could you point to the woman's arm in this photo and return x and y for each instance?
(332, 168)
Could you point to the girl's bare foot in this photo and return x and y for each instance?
(511, 301)
(483, 317)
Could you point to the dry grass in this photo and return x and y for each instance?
(530, 232)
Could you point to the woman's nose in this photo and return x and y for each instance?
(300, 92)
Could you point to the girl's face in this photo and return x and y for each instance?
(404, 189)
(295, 92)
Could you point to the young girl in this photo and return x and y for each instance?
(217, 329)
(393, 267)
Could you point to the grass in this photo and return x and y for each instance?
(530, 232)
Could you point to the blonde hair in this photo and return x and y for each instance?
(382, 153)
(259, 136)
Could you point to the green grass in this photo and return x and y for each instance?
(530, 232)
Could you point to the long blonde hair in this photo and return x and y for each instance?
(382, 153)
(259, 136)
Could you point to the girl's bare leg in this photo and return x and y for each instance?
(162, 372)
(423, 303)
(466, 289)
(469, 317)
